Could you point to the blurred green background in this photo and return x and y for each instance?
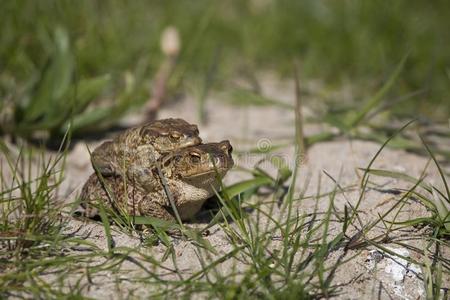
(58, 58)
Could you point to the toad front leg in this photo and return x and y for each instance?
(140, 168)
(150, 207)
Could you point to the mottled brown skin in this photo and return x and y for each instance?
(137, 149)
(191, 176)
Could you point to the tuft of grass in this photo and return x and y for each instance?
(54, 98)
(29, 212)
(31, 221)
(60, 58)
(435, 200)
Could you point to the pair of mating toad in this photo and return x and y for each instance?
(134, 168)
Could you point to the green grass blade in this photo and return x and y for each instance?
(87, 90)
(107, 228)
(243, 186)
(397, 175)
(441, 173)
(364, 180)
(354, 120)
(55, 79)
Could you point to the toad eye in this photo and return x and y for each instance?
(175, 135)
(195, 157)
(227, 147)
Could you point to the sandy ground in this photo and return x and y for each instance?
(372, 274)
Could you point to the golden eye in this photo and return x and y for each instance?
(195, 157)
(227, 147)
(175, 135)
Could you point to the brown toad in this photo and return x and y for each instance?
(191, 175)
(135, 150)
